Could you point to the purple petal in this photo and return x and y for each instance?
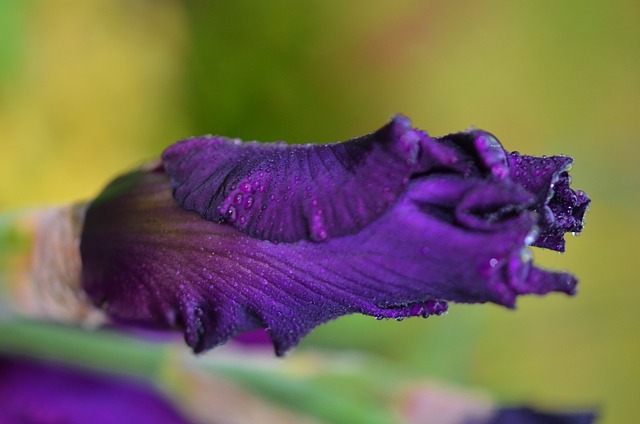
(36, 392)
(523, 415)
(448, 237)
(288, 193)
(257, 338)
(561, 209)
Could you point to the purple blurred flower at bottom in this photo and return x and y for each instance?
(524, 415)
(223, 236)
(38, 392)
(34, 392)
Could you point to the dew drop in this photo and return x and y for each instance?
(531, 237)
(525, 255)
(248, 202)
(493, 262)
(231, 214)
(238, 199)
(416, 309)
(246, 187)
(431, 306)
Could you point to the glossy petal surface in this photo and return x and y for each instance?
(38, 392)
(286, 193)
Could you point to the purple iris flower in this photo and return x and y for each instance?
(223, 236)
(524, 415)
(45, 393)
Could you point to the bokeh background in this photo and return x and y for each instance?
(89, 89)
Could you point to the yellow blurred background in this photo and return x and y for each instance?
(89, 89)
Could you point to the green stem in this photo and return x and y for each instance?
(15, 245)
(104, 350)
(306, 395)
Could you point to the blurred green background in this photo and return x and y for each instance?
(89, 89)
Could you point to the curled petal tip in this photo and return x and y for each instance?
(542, 282)
(560, 208)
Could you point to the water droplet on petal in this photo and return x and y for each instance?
(248, 202)
(431, 306)
(232, 214)
(417, 309)
(531, 237)
(246, 187)
(525, 254)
